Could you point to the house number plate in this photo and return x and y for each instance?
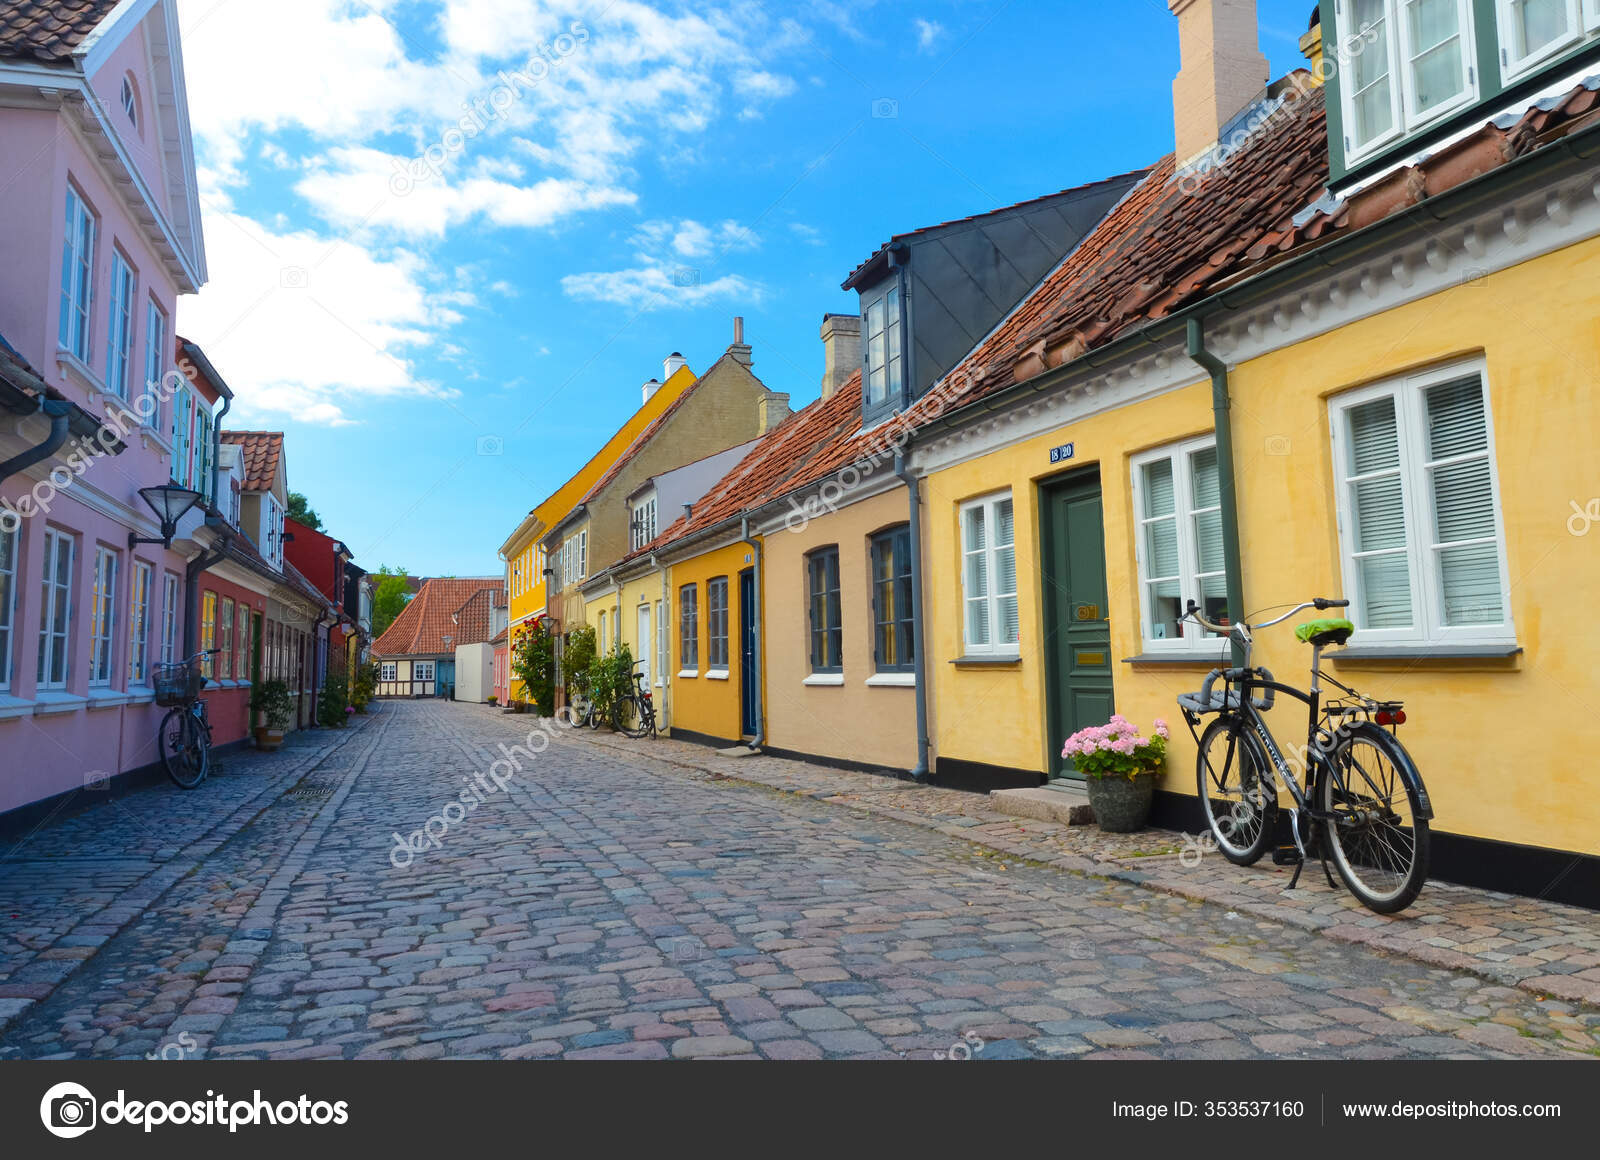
(1063, 453)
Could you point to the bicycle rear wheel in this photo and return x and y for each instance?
(1377, 838)
(628, 718)
(185, 751)
(1240, 803)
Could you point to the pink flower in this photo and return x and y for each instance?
(1161, 728)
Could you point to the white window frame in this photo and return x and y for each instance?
(1427, 629)
(182, 428)
(54, 590)
(103, 619)
(119, 323)
(169, 618)
(643, 523)
(1397, 42)
(139, 624)
(989, 504)
(663, 649)
(1583, 16)
(600, 633)
(420, 667)
(713, 667)
(77, 276)
(1194, 639)
(387, 671)
(582, 539)
(155, 358)
(8, 602)
(130, 101)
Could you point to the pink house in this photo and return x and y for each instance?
(99, 235)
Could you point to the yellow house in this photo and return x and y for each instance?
(524, 556)
(1244, 390)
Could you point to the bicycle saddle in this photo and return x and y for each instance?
(1324, 632)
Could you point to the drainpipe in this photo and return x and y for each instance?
(59, 412)
(316, 683)
(216, 455)
(1221, 417)
(761, 708)
(191, 591)
(919, 652)
(665, 674)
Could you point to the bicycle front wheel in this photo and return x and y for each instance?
(1240, 803)
(628, 719)
(1377, 838)
(184, 749)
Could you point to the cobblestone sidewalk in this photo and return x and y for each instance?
(1547, 949)
(72, 882)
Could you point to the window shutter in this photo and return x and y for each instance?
(1463, 503)
(1378, 503)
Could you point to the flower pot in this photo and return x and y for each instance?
(268, 738)
(1122, 804)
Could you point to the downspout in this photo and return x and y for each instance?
(316, 683)
(1221, 417)
(216, 455)
(761, 708)
(59, 412)
(919, 662)
(666, 670)
(191, 592)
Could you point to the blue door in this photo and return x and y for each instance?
(445, 681)
(749, 678)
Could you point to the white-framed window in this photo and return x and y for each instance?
(717, 624)
(103, 617)
(1420, 529)
(1533, 31)
(1177, 504)
(1406, 63)
(140, 624)
(55, 609)
(583, 554)
(600, 636)
(880, 352)
(642, 524)
(119, 335)
(77, 276)
(8, 600)
(663, 652)
(272, 529)
(182, 435)
(155, 358)
(422, 670)
(990, 623)
(130, 102)
(169, 618)
(386, 671)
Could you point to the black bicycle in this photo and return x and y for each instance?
(635, 714)
(1359, 800)
(185, 732)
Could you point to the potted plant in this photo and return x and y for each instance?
(1121, 768)
(271, 699)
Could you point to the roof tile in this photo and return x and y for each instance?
(48, 30)
(431, 616)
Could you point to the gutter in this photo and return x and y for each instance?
(1222, 421)
(761, 708)
(919, 655)
(59, 412)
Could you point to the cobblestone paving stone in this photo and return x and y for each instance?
(610, 904)
(1545, 948)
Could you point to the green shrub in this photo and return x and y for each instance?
(533, 662)
(335, 699)
(271, 699)
(365, 687)
(577, 661)
(611, 680)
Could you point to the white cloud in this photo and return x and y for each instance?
(929, 33)
(658, 287)
(301, 324)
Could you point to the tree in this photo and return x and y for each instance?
(300, 509)
(390, 596)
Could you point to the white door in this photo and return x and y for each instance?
(645, 640)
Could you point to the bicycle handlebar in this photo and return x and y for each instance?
(1318, 602)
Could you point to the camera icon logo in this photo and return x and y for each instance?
(97, 780)
(1278, 445)
(885, 108)
(68, 1110)
(294, 277)
(491, 445)
(685, 276)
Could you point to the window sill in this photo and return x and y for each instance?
(48, 701)
(141, 695)
(717, 675)
(690, 673)
(1001, 661)
(892, 681)
(107, 698)
(1422, 652)
(824, 680)
(83, 375)
(1199, 660)
(11, 707)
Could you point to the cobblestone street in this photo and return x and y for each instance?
(606, 904)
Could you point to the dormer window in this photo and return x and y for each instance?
(882, 376)
(1409, 62)
(130, 101)
(643, 523)
(1532, 31)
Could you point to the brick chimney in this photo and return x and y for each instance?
(1223, 70)
(841, 350)
(739, 348)
(771, 409)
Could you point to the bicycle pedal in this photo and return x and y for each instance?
(1286, 856)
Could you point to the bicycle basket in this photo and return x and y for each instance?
(176, 684)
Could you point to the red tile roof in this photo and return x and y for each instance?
(263, 452)
(475, 616)
(48, 30)
(429, 617)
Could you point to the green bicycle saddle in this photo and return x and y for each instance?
(1322, 632)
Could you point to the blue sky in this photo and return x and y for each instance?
(400, 301)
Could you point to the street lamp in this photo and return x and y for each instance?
(170, 503)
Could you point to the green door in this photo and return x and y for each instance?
(1077, 624)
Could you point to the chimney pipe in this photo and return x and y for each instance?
(1223, 70)
(649, 389)
(673, 363)
(841, 350)
(738, 328)
(739, 349)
